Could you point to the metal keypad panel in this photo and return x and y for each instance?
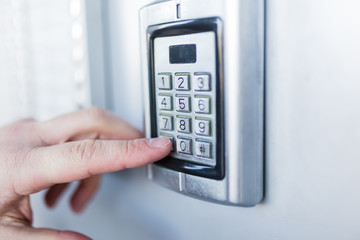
(186, 115)
(186, 98)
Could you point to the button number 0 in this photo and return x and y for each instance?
(183, 146)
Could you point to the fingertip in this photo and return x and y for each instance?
(54, 193)
(69, 235)
(77, 204)
(49, 203)
(160, 142)
(84, 193)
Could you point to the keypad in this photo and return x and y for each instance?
(186, 114)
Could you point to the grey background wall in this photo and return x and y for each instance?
(312, 138)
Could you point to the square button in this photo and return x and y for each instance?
(183, 124)
(166, 122)
(182, 82)
(203, 149)
(184, 145)
(202, 82)
(182, 103)
(171, 139)
(202, 104)
(163, 81)
(202, 127)
(165, 102)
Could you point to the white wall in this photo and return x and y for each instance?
(43, 61)
(312, 138)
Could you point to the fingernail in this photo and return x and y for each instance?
(160, 142)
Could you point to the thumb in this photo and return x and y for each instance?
(28, 233)
(46, 166)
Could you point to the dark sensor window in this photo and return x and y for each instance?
(182, 53)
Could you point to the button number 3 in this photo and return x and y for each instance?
(202, 82)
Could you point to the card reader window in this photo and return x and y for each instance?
(182, 54)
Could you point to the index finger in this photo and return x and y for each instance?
(74, 161)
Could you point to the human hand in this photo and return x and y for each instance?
(39, 155)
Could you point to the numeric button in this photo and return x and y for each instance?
(202, 82)
(182, 103)
(182, 82)
(171, 139)
(165, 102)
(166, 122)
(183, 124)
(202, 104)
(202, 127)
(184, 145)
(163, 81)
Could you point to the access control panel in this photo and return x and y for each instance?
(203, 88)
(186, 83)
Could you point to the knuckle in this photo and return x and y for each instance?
(14, 129)
(96, 113)
(129, 148)
(84, 150)
(125, 147)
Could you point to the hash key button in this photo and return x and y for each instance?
(203, 149)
